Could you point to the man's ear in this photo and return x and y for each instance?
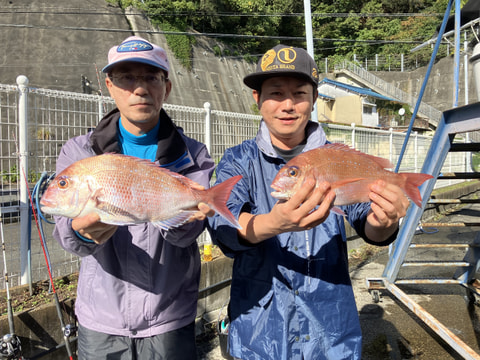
(109, 84)
(256, 97)
(168, 89)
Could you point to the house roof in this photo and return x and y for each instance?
(326, 97)
(355, 89)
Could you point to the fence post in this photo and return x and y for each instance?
(391, 145)
(416, 150)
(468, 155)
(22, 82)
(100, 109)
(207, 245)
(208, 127)
(353, 135)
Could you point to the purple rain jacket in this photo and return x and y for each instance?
(143, 281)
(291, 296)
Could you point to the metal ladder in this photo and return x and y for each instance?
(459, 120)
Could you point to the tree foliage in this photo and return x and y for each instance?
(341, 28)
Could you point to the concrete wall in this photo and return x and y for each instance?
(54, 43)
(440, 86)
(54, 50)
(39, 328)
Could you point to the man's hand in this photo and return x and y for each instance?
(203, 211)
(389, 205)
(297, 214)
(89, 226)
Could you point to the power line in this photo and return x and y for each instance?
(215, 35)
(76, 11)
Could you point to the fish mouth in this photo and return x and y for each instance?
(280, 195)
(47, 207)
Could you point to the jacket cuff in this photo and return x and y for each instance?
(83, 237)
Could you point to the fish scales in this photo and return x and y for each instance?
(349, 171)
(125, 190)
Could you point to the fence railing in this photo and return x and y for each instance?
(49, 118)
(389, 89)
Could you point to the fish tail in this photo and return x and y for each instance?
(412, 182)
(217, 199)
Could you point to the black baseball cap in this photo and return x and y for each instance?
(283, 60)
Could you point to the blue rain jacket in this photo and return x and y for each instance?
(291, 295)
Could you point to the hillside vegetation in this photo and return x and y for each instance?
(341, 28)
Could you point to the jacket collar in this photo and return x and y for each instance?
(172, 151)
(315, 137)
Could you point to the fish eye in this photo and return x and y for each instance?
(293, 171)
(63, 183)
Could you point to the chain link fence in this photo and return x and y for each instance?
(53, 117)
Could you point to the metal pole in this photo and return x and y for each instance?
(309, 36)
(22, 82)
(208, 127)
(456, 62)
(465, 61)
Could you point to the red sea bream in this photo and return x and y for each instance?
(125, 190)
(350, 173)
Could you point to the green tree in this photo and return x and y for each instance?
(341, 28)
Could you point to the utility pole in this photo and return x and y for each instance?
(309, 36)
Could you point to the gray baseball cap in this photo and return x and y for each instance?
(283, 60)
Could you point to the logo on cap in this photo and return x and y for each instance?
(287, 56)
(268, 59)
(134, 45)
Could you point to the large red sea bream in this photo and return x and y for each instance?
(350, 173)
(125, 190)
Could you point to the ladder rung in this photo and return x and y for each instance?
(452, 224)
(454, 201)
(427, 281)
(459, 175)
(465, 147)
(436, 263)
(440, 245)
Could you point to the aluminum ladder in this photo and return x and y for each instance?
(458, 120)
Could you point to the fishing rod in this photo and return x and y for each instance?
(10, 346)
(67, 331)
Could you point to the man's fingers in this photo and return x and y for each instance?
(85, 221)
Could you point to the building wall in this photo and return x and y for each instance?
(344, 109)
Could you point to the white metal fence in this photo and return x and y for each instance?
(52, 117)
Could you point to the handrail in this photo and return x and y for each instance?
(429, 111)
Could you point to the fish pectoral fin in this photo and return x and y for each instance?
(97, 196)
(174, 221)
(338, 211)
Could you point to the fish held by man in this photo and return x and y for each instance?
(349, 172)
(125, 190)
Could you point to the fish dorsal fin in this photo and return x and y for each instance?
(384, 163)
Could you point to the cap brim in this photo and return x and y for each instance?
(109, 67)
(255, 81)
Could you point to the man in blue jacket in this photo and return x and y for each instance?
(291, 295)
(138, 285)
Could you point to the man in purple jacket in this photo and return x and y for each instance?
(138, 285)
